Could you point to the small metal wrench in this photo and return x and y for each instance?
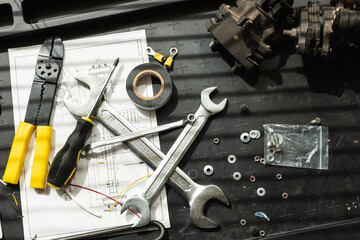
(157, 181)
(195, 194)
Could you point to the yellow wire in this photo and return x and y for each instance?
(15, 200)
(125, 190)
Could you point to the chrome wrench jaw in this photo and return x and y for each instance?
(142, 205)
(205, 193)
(147, 151)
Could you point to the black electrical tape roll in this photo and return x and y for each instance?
(149, 69)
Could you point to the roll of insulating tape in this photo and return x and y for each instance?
(144, 70)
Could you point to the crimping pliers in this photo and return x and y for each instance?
(38, 113)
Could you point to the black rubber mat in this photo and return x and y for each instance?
(287, 89)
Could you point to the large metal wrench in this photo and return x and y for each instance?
(195, 194)
(157, 181)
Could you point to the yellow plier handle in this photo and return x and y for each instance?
(18, 153)
(41, 157)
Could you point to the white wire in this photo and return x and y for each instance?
(72, 197)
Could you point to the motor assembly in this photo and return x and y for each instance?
(252, 30)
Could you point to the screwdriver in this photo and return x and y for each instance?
(66, 160)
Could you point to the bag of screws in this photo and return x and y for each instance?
(301, 146)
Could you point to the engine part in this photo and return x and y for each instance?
(260, 192)
(250, 31)
(245, 137)
(237, 176)
(323, 30)
(208, 170)
(231, 159)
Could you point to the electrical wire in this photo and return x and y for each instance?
(92, 190)
(125, 190)
(15, 200)
(72, 197)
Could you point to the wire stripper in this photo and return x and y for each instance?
(38, 113)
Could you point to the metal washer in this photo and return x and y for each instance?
(237, 176)
(260, 192)
(231, 159)
(208, 170)
(245, 137)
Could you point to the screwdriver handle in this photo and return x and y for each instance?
(66, 160)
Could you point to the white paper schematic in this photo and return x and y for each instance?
(50, 213)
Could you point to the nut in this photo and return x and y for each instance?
(271, 150)
(262, 161)
(270, 158)
(257, 158)
(262, 233)
(278, 176)
(243, 222)
(285, 195)
(216, 141)
(252, 178)
(208, 170)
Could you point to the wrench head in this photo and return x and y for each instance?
(198, 202)
(210, 105)
(144, 208)
(95, 84)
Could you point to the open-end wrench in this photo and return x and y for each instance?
(157, 181)
(195, 194)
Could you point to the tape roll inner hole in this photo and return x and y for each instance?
(141, 77)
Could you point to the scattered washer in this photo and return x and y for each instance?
(231, 159)
(252, 178)
(278, 176)
(262, 161)
(285, 195)
(262, 233)
(270, 158)
(255, 134)
(245, 137)
(260, 192)
(243, 222)
(208, 170)
(257, 158)
(216, 141)
(237, 176)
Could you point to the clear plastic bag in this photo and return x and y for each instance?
(302, 146)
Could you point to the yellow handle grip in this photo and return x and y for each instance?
(159, 57)
(18, 152)
(168, 62)
(41, 157)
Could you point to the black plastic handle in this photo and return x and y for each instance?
(66, 160)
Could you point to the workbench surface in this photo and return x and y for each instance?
(287, 89)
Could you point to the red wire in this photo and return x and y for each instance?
(92, 190)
